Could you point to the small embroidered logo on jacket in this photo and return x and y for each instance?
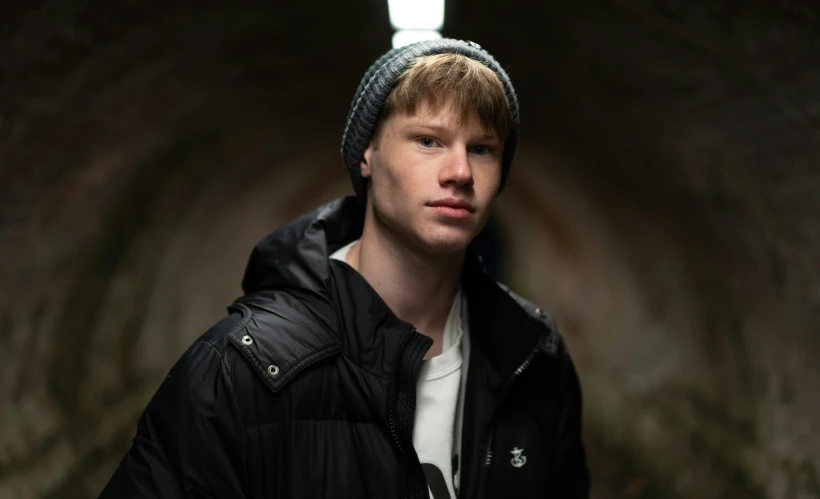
(518, 459)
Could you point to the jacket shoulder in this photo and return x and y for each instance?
(276, 334)
(217, 335)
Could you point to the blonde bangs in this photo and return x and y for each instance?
(475, 90)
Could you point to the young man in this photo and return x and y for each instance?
(371, 357)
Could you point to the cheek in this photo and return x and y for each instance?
(489, 181)
(389, 189)
(393, 181)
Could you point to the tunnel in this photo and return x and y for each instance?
(663, 205)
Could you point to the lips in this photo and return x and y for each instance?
(458, 204)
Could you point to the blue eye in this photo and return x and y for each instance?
(481, 150)
(427, 142)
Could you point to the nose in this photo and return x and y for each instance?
(456, 170)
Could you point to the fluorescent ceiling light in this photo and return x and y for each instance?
(408, 36)
(416, 14)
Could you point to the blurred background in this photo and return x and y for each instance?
(663, 205)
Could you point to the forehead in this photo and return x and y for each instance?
(444, 116)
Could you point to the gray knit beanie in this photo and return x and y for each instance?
(379, 81)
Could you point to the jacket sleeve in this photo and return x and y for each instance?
(189, 440)
(571, 473)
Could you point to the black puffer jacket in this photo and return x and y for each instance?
(307, 390)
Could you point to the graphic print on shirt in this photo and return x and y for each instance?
(435, 480)
(456, 477)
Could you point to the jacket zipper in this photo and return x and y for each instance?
(488, 460)
(394, 432)
(393, 416)
(488, 456)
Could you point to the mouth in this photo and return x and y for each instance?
(454, 204)
(452, 209)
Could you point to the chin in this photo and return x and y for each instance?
(445, 242)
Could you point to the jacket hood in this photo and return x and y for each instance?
(296, 255)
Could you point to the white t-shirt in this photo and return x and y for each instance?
(439, 402)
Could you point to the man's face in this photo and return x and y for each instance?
(432, 179)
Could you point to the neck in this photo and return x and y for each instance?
(418, 287)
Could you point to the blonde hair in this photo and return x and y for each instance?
(476, 91)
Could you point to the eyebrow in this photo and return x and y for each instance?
(442, 130)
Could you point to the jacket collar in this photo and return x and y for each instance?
(506, 328)
(290, 276)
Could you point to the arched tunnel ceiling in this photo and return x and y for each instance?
(663, 204)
